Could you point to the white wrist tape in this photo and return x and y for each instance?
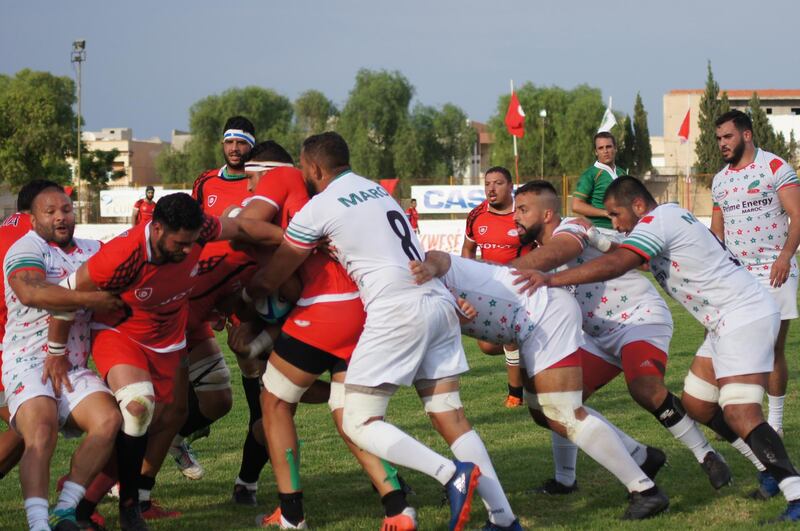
(262, 343)
(246, 296)
(56, 349)
(63, 316)
(598, 240)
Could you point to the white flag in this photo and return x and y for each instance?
(609, 121)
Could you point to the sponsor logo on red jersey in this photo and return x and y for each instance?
(211, 200)
(143, 293)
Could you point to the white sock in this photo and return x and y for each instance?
(248, 486)
(469, 447)
(687, 432)
(565, 459)
(602, 444)
(745, 450)
(144, 495)
(636, 450)
(70, 495)
(390, 443)
(790, 487)
(36, 509)
(775, 418)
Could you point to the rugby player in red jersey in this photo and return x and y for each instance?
(143, 208)
(153, 269)
(491, 228)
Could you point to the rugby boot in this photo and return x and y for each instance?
(405, 521)
(63, 520)
(767, 487)
(555, 487)
(643, 505)
(244, 496)
(276, 519)
(513, 526)
(717, 470)
(460, 490)
(654, 461)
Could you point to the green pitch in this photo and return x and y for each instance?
(339, 497)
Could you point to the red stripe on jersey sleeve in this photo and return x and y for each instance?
(635, 250)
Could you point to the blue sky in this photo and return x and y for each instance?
(148, 61)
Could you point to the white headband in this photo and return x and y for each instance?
(260, 165)
(238, 133)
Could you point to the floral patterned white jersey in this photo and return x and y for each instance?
(25, 340)
(610, 306)
(695, 269)
(756, 225)
(504, 314)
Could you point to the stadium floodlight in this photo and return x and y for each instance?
(77, 57)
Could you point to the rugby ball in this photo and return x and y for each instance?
(273, 308)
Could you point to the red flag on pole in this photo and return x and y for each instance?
(683, 132)
(515, 117)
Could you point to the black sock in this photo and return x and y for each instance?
(252, 392)
(195, 420)
(292, 506)
(670, 412)
(768, 447)
(720, 427)
(85, 509)
(130, 455)
(516, 392)
(254, 457)
(146, 483)
(394, 502)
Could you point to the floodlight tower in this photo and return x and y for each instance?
(77, 57)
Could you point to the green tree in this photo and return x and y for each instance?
(97, 168)
(709, 158)
(454, 138)
(571, 122)
(626, 145)
(270, 113)
(643, 153)
(792, 149)
(764, 135)
(172, 166)
(37, 127)
(314, 113)
(375, 113)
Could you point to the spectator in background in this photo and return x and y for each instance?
(143, 208)
(413, 215)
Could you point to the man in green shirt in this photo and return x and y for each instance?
(587, 199)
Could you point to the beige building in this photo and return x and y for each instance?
(480, 158)
(136, 157)
(782, 108)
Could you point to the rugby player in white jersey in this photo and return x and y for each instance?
(411, 334)
(628, 327)
(757, 214)
(740, 316)
(49, 385)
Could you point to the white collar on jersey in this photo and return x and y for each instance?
(611, 171)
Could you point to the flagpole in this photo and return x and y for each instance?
(516, 154)
(688, 169)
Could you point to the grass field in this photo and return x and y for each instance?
(338, 496)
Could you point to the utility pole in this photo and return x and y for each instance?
(78, 57)
(543, 116)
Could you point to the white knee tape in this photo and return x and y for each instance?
(700, 389)
(560, 407)
(359, 408)
(512, 357)
(210, 373)
(279, 385)
(531, 400)
(442, 402)
(143, 394)
(740, 393)
(336, 398)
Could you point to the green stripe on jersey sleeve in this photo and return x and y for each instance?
(643, 244)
